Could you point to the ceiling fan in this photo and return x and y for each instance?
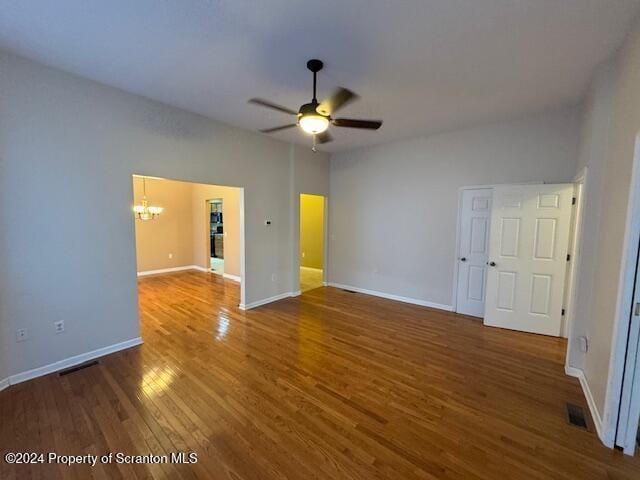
(315, 117)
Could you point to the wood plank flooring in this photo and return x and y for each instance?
(330, 385)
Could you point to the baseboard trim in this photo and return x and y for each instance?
(199, 268)
(264, 301)
(390, 296)
(297, 293)
(72, 361)
(234, 278)
(4, 383)
(169, 270)
(595, 415)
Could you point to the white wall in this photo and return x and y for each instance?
(68, 148)
(393, 208)
(610, 125)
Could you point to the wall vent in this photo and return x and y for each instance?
(576, 417)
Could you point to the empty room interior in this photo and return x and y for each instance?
(320, 240)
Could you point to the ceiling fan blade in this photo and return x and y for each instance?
(281, 127)
(324, 137)
(348, 122)
(335, 102)
(273, 106)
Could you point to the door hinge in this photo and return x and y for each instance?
(568, 257)
(637, 310)
(573, 201)
(563, 312)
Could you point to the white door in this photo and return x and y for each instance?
(475, 215)
(528, 246)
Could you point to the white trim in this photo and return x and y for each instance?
(72, 361)
(595, 415)
(390, 296)
(297, 293)
(169, 270)
(200, 269)
(577, 219)
(4, 383)
(234, 278)
(264, 301)
(243, 246)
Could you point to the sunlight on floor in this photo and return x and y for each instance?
(310, 278)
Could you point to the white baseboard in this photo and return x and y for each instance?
(234, 278)
(72, 361)
(264, 301)
(595, 415)
(391, 296)
(169, 270)
(4, 383)
(199, 268)
(297, 293)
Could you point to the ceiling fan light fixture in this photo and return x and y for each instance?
(314, 124)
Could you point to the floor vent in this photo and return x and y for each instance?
(576, 417)
(78, 367)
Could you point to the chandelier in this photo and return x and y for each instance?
(146, 211)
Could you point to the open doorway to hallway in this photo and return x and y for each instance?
(311, 241)
(216, 236)
(187, 226)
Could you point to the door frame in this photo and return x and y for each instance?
(295, 274)
(456, 268)
(622, 402)
(577, 221)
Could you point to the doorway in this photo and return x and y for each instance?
(312, 232)
(512, 262)
(195, 226)
(216, 236)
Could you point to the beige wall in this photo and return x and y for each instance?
(169, 234)
(231, 215)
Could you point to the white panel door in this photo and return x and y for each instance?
(528, 247)
(475, 216)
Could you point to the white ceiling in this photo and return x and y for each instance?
(420, 65)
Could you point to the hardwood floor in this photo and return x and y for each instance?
(329, 385)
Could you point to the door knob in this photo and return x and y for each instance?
(463, 259)
(491, 264)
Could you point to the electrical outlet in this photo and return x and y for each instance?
(59, 326)
(171, 255)
(21, 335)
(304, 254)
(274, 277)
